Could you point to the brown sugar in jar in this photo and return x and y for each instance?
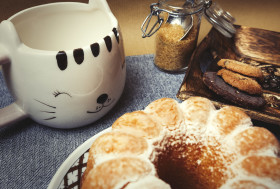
(177, 26)
(173, 54)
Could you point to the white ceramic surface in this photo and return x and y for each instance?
(63, 62)
(70, 172)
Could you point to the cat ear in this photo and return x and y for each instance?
(9, 41)
(100, 4)
(8, 35)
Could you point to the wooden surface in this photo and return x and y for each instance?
(131, 14)
(215, 47)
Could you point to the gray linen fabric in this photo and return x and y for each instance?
(30, 153)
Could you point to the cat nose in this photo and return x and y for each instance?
(102, 99)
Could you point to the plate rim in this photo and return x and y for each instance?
(72, 158)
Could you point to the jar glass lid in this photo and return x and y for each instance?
(220, 19)
(182, 6)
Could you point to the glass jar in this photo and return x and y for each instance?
(177, 28)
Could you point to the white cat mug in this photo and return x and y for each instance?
(63, 63)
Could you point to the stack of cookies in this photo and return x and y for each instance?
(240, 75)
(237, 82)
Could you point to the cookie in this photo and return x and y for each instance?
(241, 82)
(220, 87)
(242, 68)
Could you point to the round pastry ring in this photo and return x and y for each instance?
(75, 164)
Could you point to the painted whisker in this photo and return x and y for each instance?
(45, 104)
(50, 118)
(48, 112)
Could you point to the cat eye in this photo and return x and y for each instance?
(57, 93)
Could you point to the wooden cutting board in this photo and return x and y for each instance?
(250, 45)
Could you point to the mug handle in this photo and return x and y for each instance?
(12, 113)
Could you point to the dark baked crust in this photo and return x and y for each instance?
(241, 82)
(220, 87)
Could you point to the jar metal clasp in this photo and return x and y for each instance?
(182, 18)
(220, 19)
(155, 11)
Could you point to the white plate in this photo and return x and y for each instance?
(70, 172)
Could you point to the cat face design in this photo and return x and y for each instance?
(73, 108)
(66, 68)
(84, 85)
